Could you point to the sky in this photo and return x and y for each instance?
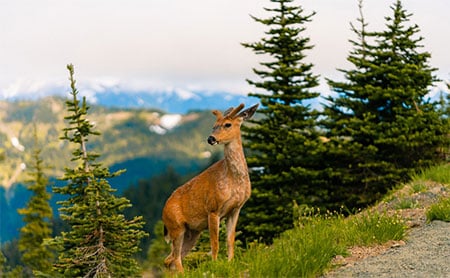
(185, 44)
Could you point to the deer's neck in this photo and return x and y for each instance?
(235, 159)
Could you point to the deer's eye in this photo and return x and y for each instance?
(227, 125)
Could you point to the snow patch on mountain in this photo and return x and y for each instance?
(166, 123)
(170, 121)
(16, 144)
(157, 129)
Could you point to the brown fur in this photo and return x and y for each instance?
(219, 191)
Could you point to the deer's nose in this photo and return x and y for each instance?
(212, 140)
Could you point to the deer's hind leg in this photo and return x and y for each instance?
(190, 239)
(173, 261)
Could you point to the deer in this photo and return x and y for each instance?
(218, 192)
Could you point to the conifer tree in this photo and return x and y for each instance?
(284, 142)
(37, 216)
(381, 125)
(101, 241)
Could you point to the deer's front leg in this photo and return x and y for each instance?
(231, 232)
(213, 225)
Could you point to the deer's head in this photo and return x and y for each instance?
(228, 125)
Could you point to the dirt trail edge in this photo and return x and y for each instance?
(425, 254)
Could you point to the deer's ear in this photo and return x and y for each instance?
(217, 113)
(248, 113)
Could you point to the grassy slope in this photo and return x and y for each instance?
(311, 248)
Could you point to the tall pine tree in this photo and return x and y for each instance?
(284, 141)
(37, 214)
(101, 242)
(381, 125)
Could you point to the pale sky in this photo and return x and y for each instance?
(188, 44)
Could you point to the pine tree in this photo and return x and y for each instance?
(284, 141)
(101, 241)
(37, 216)
(381, 125)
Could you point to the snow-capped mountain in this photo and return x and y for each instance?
(171, 100)
(176, 101)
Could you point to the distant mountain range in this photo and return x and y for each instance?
(173, 100)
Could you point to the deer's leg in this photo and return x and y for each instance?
(169, 259)
(190, 238)
(231, 232)
(174, 259)
(213, 225)
(177, 245)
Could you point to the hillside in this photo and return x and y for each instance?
(143, 141)
(127, 134)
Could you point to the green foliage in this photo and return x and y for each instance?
(10, 264)
(439, 211)
(284, 143)
(37, 216)
(381, 126)
(7, 272)
(101, 241)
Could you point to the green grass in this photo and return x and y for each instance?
(407, 203)
(308, 249)
(374, 228)
(439, 211)
(440, 174)
(418, 187)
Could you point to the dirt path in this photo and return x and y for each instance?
(425, 254)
